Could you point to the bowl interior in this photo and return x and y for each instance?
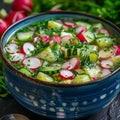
(32, 19)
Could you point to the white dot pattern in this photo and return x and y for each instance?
(103, 96)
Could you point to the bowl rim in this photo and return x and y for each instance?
(35, 81)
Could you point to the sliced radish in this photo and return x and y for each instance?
(3, 26)
(36, 39)
(104, 53)
(56, 39)
(106, 64)
(65, 40)
(66, 74)
(69, 24)
(102, 31)
(105, 72)
(80, 29)
(74, 64)
(117, 51)
(11, 48)
(32, 63)
(14, 16)
(45, 38)
(17, 57)
(27, 48)
(22, 5)
(66, 65)
(81, 37)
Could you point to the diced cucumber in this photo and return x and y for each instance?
(90, 37)
(104, 42)
(80, 79)
(53, 24)
(44, 77)
(93, 71)
(80, 23)
(26, 72)
(68, 52)
(93, 57)
(85, 50)
(93, 48)
(80, 71)
(50, 69)
(97, 25)
(47, 55)
(56, 49)
(66, 34)
(23, 36)
(116, 60)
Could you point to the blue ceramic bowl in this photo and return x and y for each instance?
(60, 101)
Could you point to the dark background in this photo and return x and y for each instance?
(9, 105)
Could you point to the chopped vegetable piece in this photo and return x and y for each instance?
(80, 79)
(44, 77)
(66, 74)
(24, 36)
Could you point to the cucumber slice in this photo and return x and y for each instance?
(90, 37)
(23, 36)
(97, 25)
(93, 71)
(93, 57)
(116, 60)
(80, 79)
(86, 25)
(53, 24)
(104, 42)
(26, 72)
(44, 77)
(47, 55)
(51, 69)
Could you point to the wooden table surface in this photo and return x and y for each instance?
(9, 104)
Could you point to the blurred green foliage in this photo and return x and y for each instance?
(108, 9)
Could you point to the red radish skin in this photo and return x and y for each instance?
(22, 5)
(12, 48)
(117, 51)
(81, 37)
(94, 79)
(74, 64)
(32, 63)
(106, 64)
(27, 48)
(56, 39)
(3, 26)
(69, 24)
(66, 74)
(14, 16)
(45, 38)
(16, 57)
